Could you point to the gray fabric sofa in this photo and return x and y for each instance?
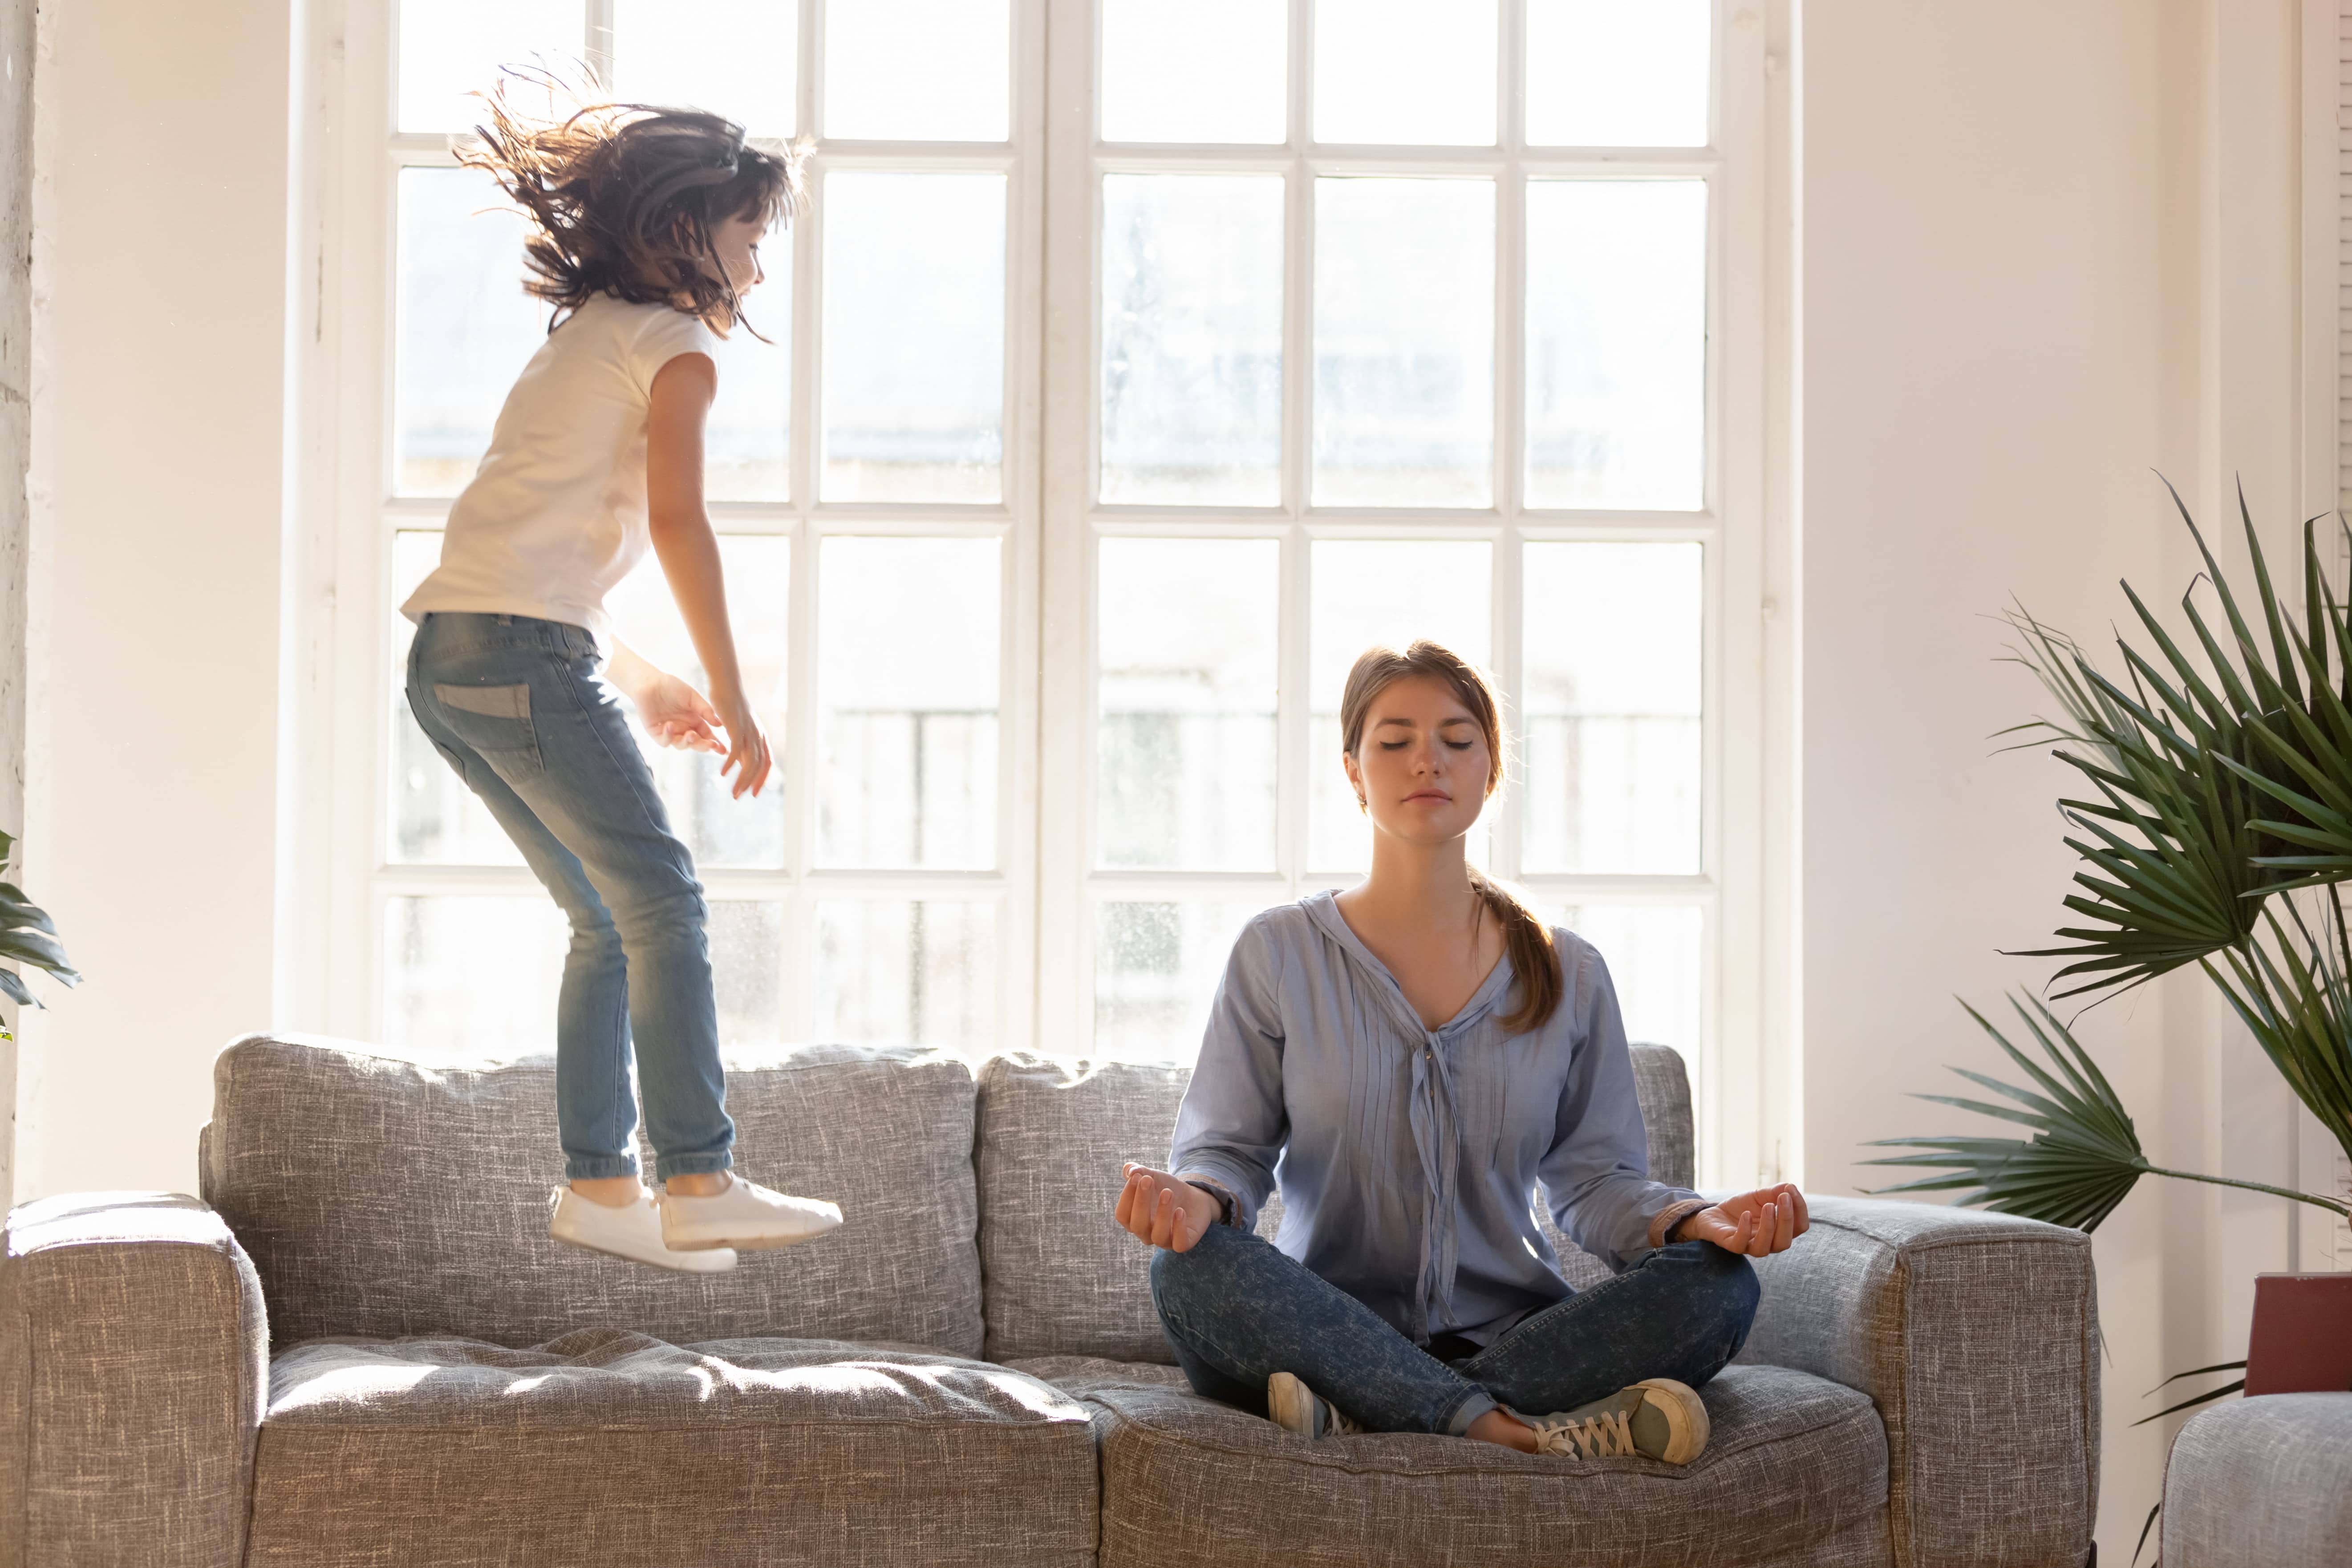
(360, 1347)
(2260, 1482)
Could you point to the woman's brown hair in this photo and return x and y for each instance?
(1526, 939)
(624, 197)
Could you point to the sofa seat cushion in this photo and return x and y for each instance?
(392, 1196)
(614, 1447)
(1795, 1472)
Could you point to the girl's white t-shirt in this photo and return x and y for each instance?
(556, 513)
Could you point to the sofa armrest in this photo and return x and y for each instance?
(1977, 1336)
(2260, 1482)
(135, 1360)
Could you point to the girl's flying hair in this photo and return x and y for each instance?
(1534, 961)
(624, 197)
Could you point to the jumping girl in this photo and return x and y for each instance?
(1408, 1061)
(647, 232)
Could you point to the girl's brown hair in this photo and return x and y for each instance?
(1526, 939)
(624, 197)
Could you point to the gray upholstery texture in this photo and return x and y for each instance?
(1063, 1280)
(614, 1447)
(1188, 1483)
(132, 1386)
(380, 1196)
(1977, 1335)
(2260, 1482)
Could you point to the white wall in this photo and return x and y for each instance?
(161, 249)
(2047, 248)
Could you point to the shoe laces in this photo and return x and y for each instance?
(1335, 1424)
(1597, 1437)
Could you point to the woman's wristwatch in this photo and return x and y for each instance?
(1225, 1204)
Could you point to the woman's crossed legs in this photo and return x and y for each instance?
(1237, 1312)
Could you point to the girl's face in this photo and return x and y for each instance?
(737, 241)
(1423, 764)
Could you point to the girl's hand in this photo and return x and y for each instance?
(676, 715)
(1757, 1223)
(746, 749)
(1164, 1210)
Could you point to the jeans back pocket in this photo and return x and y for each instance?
(495, 720)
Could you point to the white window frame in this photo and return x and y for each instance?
(1738, 1058)
(337, 693)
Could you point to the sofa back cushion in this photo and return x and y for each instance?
(1063, 1278)
(383, 1195)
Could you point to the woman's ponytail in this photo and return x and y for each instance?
(1526, 939)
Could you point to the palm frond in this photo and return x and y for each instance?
(2084, 1154)
(28, 935)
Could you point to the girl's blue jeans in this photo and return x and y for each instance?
(516, 706)
(1237, 1312)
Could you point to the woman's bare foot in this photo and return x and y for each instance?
(613, 1192)
(698, 1184)
(1505, 1430)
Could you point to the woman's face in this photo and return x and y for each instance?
(737, 241)
(1423, 764)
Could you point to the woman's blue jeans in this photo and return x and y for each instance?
(1237, 1312)
(516, 706)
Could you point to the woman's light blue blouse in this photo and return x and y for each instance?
(1409, 1158)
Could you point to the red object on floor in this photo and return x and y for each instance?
(2302, 1341)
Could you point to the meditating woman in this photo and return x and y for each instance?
(1408, 1061)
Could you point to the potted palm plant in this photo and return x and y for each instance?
(2215, 829)
(28, 935)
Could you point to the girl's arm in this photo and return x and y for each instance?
(688, 552)
(674, 713)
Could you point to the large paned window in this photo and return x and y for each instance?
(1137, 365)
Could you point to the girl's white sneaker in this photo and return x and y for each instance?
(633, 1232)
(743, 1214)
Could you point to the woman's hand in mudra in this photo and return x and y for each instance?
(1757, 1223)
(1164, 1210)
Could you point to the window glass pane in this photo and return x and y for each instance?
(1157, 965)
(734, 57)
(1186, 749)
(449, 48)
(1617, 73)
(906, 696)
(1207, 70)
(1610, 707)
(1191, 339)
(1404, 71)
(1404, 342)
(914, 337)
(473, 975)
(477, 975)
(747, 973)
(720, 829)
(746, 440)
(1656, 963)
(1369, 592)
(1616, 344)
(436, 819)
(917, 970)
(917, 70)
(466, 327)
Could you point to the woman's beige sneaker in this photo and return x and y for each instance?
(633, 1231)
(1656, 1417)
(1302, 1413)
(743, 1214)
